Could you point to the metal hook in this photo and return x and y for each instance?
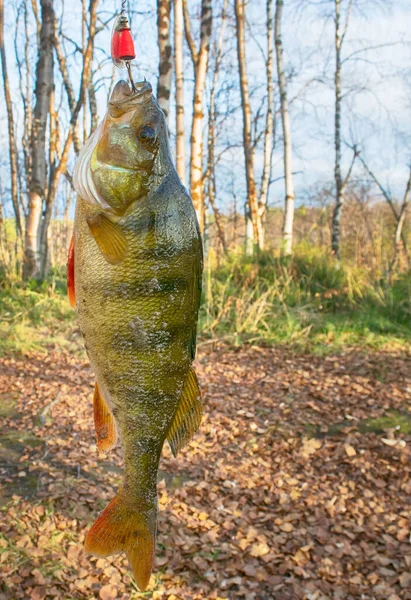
(123, 6)
(130, 76)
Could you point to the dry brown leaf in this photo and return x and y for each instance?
(108, 592)
(350, 450)
(259, 549)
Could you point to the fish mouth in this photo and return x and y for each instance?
(124, 99)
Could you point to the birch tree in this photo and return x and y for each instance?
(212, 134)
(179, 81)
(340, 182)
(11, 130)
(287, 145)
(256, 200)
(200, 63)
(165, 61)
(37, 184)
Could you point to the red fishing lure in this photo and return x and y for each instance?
(122, 44)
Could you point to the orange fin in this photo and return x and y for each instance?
(70, 275)
(104, 423)
(119, 528)
(109, 238)
(187, 418)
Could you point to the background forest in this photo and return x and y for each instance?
(289, 123)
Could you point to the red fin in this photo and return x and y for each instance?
(104, 423)
(119, 528)
(70, 274)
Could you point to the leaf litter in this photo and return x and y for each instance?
(269, 501)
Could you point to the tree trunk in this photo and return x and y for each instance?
(44, 86)
(339, 192)
(212, 191)
(27, 101)
(54, 138)
(93, 105)
(179, 70)
(252, 199)
(165, 63)
(12, 136)
(285, 118)
(249, 232)
(200, 61)
(269, 121)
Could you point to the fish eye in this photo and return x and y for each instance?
(146, 134)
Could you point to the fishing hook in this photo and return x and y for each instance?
(130, 76)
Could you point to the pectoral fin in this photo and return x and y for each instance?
(70, 275)
(187, 419)
(109, 238)
(104, 423)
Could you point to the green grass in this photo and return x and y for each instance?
(35, 316)
(309, 301)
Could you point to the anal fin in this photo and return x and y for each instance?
(187, 418)
(105, 425)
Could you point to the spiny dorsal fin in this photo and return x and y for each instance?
(109, 237)
(104, 423)
(187, 419)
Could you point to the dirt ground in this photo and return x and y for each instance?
(297, 485)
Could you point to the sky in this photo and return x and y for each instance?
(376, 87)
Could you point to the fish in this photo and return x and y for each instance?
(134, 277)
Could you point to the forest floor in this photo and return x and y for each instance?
(297, 485)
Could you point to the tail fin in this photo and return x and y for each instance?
(119, 528)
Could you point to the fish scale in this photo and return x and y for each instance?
(137, 284)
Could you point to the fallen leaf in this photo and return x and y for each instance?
(349, 450)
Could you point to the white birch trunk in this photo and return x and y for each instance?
(196, 159)
(44, 86)
(179, 70)
(269, 122)
(212, 134)
(10, 124)
(252, 200)
(285, 118)
(165, 62)
(339, 193)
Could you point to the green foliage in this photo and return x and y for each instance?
(35, 315)
(310, 299)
